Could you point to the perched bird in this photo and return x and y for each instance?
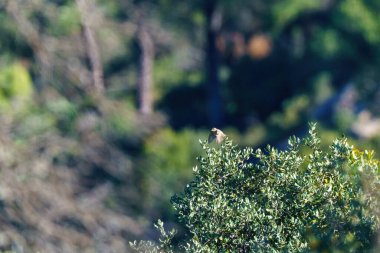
(216, 134)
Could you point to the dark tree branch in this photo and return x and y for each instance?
(213, 23)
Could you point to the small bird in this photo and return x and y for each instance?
(216, 134)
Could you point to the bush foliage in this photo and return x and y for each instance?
(298, 200)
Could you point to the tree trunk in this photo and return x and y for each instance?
(91, 47)
(145, 82)
(213, 22)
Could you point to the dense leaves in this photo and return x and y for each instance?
(296, 200)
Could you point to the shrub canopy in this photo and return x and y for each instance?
(300, 199)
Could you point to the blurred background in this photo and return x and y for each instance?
(102, 103)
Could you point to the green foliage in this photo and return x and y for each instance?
(170, 150)
(67, 21)
(58, 113)
(167, 156)
(285, 11)
(343, 119)
(322, 87)
(15, 85)
(362, 18)
(122, 126)
(34, 124)
(300, 199)
(326, 42)
(294, 112)
(164, 245)
(64, 111)
(181, 60)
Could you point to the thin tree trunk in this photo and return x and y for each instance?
(145, 84)
(91, 47)
(212, 62)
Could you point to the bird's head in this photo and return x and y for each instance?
(214, 130)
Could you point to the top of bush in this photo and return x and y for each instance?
(300, 199)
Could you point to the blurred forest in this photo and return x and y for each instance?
(103, 102)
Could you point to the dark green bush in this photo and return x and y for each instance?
(299, 200)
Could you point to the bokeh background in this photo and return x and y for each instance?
(102, 103)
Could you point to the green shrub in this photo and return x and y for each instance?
(299, 200)
(16, 88)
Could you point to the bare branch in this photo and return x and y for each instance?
(145, 85)
(92, 48)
